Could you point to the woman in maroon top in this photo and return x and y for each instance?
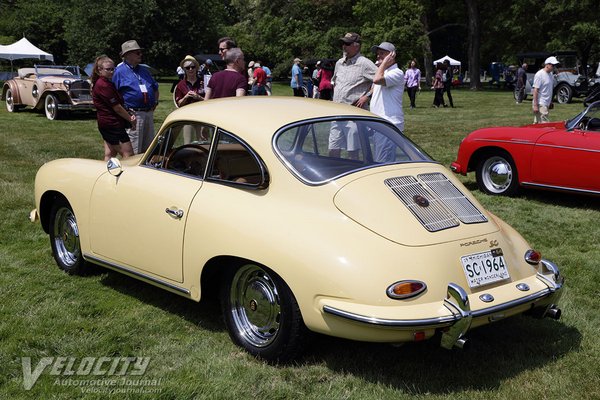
(112, 117)
(191, 88)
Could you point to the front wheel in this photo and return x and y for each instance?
(10, 101)
(51, 107)
(261, 314)
(564, 93)
(497, 174)
(64, 238)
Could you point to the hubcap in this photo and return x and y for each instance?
(9, 100)
(497, 174)
(255, 305)
(66, 237)
(51, 107)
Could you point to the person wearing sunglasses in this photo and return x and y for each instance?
(191, 88)
(140, 92)
(112, 117)
(225, 43)
(352, 80)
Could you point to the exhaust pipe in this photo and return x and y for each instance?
(553, 312)
(463, 344)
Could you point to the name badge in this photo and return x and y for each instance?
(143, 88)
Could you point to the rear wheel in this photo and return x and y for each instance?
(64, 238)
(261, 314)
(497, 174)
(51, 107)
(564, 93)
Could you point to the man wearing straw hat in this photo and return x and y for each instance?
(140, 93)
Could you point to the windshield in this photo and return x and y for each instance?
(588, 119)
(58, 70)
(318, 151)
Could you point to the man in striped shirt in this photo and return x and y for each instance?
(352, 80)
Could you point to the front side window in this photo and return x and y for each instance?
(319, 151)
(205, 152)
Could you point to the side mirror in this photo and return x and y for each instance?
(114, 167)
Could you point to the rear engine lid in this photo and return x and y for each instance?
(416, 205)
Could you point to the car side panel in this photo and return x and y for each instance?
(568, 159)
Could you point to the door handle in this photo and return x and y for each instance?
(177, 214)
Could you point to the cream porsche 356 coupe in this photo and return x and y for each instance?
(52, 88)
(244, 195)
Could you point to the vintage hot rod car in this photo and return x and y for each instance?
(53, 88)
(242, 197)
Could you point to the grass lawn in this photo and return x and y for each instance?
(46, 313)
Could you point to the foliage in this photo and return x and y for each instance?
(277, 31)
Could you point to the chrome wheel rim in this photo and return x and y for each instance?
(51, 108)
(66, 237)
(10, 101)
(563, 95)
(497, 174)
(255, 305)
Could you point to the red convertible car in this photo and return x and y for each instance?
(561, 156)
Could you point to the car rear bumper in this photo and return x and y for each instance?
(459, 317)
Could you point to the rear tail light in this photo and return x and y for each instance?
(533, 257)
(405, 289)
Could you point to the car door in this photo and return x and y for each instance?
(138, 218)
(568, 159)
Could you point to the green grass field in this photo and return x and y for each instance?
(46, 313)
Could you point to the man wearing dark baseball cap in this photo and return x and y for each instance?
(352, 80)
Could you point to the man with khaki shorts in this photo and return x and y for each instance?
(543, 87)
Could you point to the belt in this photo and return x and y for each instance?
(140, 109)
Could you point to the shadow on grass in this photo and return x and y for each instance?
(207, 314)
(555, 198)
(499, 351)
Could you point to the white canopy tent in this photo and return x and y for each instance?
(453, 62)
(23, 49)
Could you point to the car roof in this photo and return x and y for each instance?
(257, 117)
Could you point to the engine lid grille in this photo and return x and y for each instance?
(435, 201)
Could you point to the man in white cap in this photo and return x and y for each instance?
(140, 93)
(543, 87)
(386, 98)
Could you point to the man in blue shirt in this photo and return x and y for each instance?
(140, 93)
(296, 82)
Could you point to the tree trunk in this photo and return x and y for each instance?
(474, 43)
(427, 57)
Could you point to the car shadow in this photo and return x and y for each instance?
(555, 198)
(207, 314)
(498, 351)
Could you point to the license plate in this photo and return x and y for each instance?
(485, 268)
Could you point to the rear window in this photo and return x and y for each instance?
(319, 151)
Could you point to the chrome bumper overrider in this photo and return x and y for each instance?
(457, 302)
